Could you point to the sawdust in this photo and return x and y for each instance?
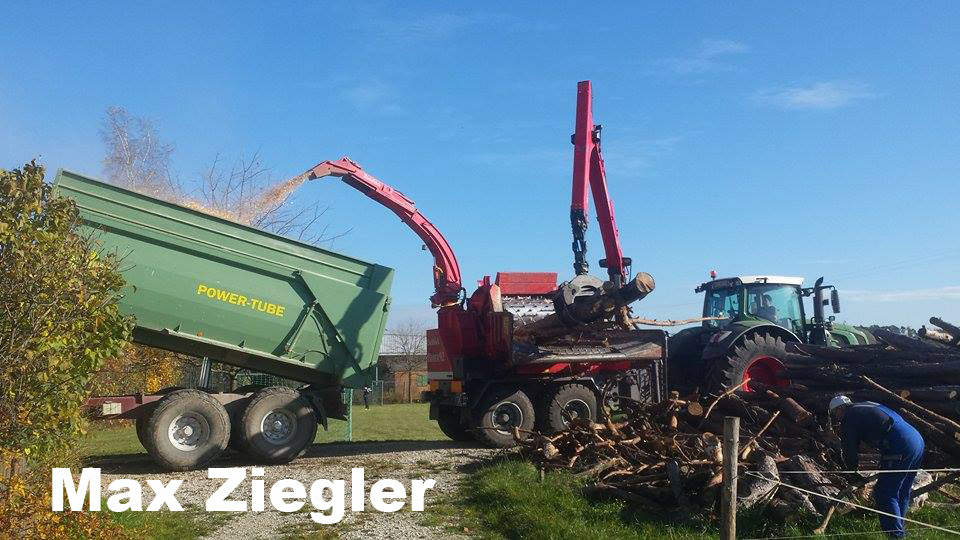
(254, 209)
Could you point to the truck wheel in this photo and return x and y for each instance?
(576, 400)
(757, 358)
(277, 425)
(494, 421)
(451, 424)
(187, 429)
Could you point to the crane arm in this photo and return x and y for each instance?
(588, 170)
(446, 271)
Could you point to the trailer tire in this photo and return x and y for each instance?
(141, 424)
(277, 425)
(451, 424)
(500, 412)
(576, 399)
(187, 429)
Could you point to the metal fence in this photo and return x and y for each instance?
(386, 393)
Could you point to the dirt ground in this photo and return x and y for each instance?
(444, 461)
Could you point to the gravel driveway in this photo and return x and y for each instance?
(444, 461)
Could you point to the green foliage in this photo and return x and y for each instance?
(58, 316)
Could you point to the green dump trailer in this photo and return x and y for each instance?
(225, 292)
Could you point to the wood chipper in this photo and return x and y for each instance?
(522, 352)
(204, 286)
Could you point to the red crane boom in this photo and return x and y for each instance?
(588, 170)
(447, 282)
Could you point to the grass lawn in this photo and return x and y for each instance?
(507, 500)
(190, 524)
(407, 421)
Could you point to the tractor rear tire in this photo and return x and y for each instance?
(451, 424)
(186, 430)
(759, 357)
(575, 399)
(499, 413)
(277, 425)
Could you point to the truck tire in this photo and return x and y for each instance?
(277, 425)
(451, 424)
(186, 430)
(494, 420)
(577, 400)
(758, 357)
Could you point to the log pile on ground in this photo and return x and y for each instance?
(904, 373)
(668, 455)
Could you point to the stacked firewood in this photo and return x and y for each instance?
(668, 455)
(920, 378)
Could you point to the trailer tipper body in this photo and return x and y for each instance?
(209, 287)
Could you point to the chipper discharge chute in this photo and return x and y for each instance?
(208, 287)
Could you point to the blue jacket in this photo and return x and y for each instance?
(866, 422)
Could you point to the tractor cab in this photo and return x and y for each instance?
(749, 301)
(760, 299)
(750, 319)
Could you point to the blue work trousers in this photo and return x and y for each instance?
(902, 449)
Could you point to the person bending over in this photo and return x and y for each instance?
(901, 450)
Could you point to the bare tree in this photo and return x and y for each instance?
(136, 157)
(247, 192)
(244, 191)
(408, 342)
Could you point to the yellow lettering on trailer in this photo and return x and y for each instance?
(237, 299)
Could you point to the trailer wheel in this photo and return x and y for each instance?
(141, 424)
(277, 425)
(451, 424)
(502, 411)
(576, 400)
(186, 430)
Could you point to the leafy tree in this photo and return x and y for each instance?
(58, 322)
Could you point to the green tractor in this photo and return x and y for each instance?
(761, 314)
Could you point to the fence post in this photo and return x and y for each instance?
(728, 505)
(348, 398)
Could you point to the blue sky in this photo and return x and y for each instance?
(807, 139)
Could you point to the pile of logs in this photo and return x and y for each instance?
(667, 455)
(912, 376)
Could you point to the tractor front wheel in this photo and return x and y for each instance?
(758, 358)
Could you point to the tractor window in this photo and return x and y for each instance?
(779, 304)
(722, 303)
